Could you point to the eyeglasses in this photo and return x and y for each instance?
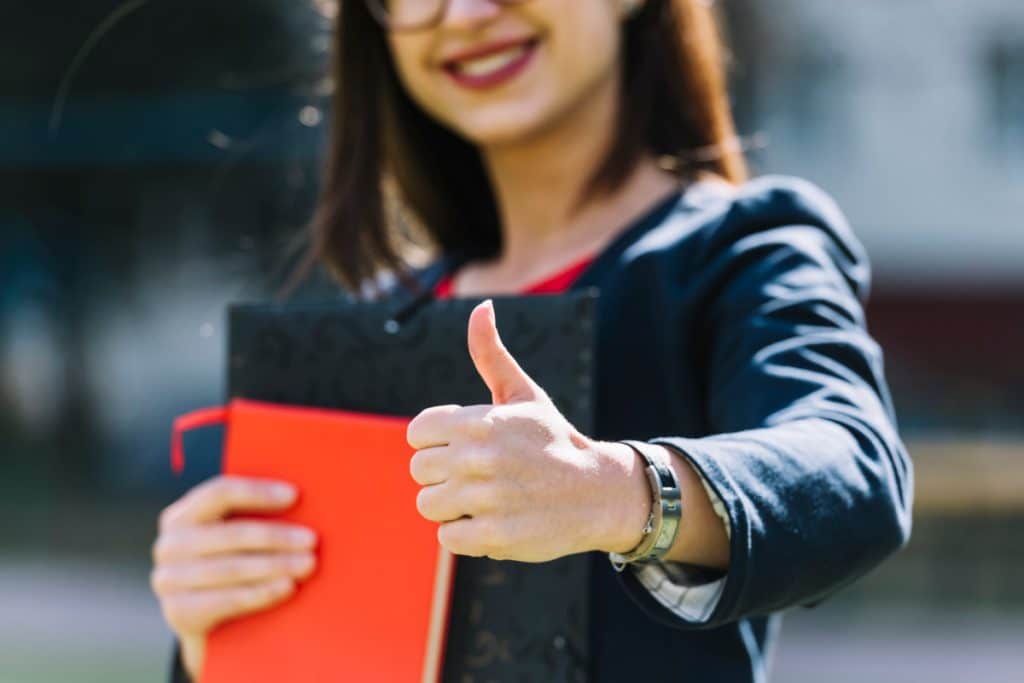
(412, 15)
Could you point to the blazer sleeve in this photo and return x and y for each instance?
(804, 451)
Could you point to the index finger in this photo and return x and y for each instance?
(439, 425)
(431, 427)
(215, 498)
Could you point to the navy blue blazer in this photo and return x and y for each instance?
(731, 329)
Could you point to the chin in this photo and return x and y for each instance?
(492, 126)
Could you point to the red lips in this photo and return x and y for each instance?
(484, 50)
(472, 68)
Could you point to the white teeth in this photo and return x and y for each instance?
(484, 66)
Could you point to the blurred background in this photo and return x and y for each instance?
(157, 160)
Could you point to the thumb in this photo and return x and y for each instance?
(499, 370)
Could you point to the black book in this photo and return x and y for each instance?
(509, 621)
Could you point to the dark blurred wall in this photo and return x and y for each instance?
(156, 158)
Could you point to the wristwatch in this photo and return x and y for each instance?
(666, 508)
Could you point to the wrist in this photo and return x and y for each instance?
(625, 499)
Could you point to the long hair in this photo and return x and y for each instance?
(397, 184)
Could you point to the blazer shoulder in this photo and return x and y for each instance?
(775, 201)
(714, 214)
(717, 227)
(780, 212)
(791, 200)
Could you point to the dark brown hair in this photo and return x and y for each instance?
(396, 180)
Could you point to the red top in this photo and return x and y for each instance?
(555, 284)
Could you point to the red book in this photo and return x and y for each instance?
(375, 608)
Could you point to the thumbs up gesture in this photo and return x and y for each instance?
(513, 479)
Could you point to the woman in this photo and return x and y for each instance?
(539, 145)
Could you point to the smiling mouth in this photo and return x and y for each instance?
(492, 67)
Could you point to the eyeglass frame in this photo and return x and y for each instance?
(377, 11)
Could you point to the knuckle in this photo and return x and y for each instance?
(275, 568)
(455, 539)
(165, 518)
(260, 567)
(174, 611)
(443, 410)
(170, 544)
(158, 580)
(257, 535)
(412, 430)
(494, 538)
(424, 503)
(484, 498)
(243, 598)
(417, 467)
(265, 593)
(236, 569)
(222, 481)
(484, 462)
(418, 428)
(450, 540)
(257, 595)
(204, 489)
(236, 490)
(481, 426)
(159, 549)
(195, 497)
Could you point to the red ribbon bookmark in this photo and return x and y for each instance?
(203, 417)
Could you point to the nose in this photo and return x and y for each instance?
(470, 14)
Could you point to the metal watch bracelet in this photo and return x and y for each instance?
(666, 509)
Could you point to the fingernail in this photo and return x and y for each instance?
(303, 536)
(301, 563)
(282, 492)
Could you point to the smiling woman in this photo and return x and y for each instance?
(624, 79)
(744, 456)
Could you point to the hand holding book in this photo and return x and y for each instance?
(208, 569)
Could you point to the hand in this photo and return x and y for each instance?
(514, 479)
(208, 569)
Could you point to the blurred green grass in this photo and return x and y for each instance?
(84, 667)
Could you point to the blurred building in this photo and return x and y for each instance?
(155, 158)
(912, 116)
